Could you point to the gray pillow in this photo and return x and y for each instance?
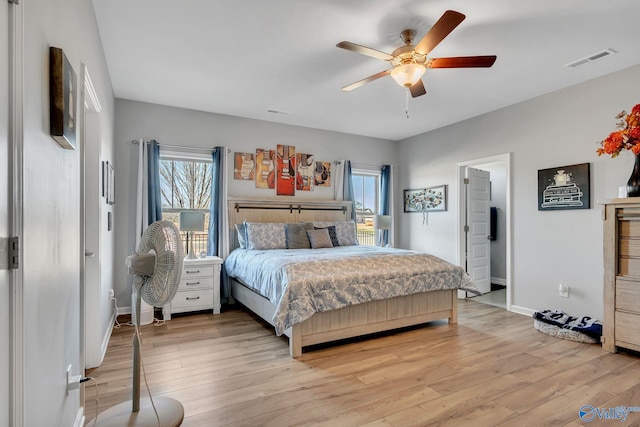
(319, 238)
(242, 235)
(332, 234)
(345, 230)
(296, 235)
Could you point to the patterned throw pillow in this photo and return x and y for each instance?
(319, 238)
(265, 235)
(332, 234)
(296, 235)
(345, 230)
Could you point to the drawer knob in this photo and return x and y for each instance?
(192, 283)
(192, 271)
(189, 299)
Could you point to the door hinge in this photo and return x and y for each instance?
(466, 228)
(466, 180)
(9, 253)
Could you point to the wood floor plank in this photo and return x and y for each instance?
(490, 368)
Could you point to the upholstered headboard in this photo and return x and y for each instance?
(283, 210)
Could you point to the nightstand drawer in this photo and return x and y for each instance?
(197, 271)
(192, 300)
(192, 283)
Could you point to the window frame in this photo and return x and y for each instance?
(185, 156)
(375, 173)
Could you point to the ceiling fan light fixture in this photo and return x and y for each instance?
(407, 75)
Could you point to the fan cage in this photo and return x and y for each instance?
(163, 239)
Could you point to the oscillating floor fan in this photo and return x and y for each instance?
(156, 267)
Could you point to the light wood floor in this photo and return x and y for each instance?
(492, 368)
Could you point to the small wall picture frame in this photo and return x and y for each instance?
(564, 187)
(111, 195)
(108, 183)
(430, 199)
(63, 89)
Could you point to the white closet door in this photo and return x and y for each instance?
(478, 244)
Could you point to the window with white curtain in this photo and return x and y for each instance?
(185, 185)
(366, 189)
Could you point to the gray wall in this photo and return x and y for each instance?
(176, 126)
(560, 128)
(52, 208)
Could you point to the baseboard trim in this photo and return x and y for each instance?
(107, 336)
(79, 421)
(522, 310)
(499, 281)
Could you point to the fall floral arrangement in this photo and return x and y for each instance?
(627, 137)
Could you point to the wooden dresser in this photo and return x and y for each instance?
(621, 323)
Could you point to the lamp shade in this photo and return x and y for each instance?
(407, 75)
(382, 222)
(191, 221)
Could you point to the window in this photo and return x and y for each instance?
(185, 184)
(366, 189)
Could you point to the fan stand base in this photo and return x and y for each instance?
(170, 412)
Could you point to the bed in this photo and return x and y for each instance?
(373, 290)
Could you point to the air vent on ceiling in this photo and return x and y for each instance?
(274, 111)
(591, 58)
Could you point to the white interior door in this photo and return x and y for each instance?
(478, 244)
(5, 204)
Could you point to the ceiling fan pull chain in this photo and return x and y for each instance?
(406, 108)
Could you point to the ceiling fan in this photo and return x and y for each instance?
(410, 62)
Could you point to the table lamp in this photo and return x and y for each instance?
(191, 221)
(382, 222)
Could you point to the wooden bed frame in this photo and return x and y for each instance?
(347, 322)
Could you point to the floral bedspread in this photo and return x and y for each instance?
(301, 282)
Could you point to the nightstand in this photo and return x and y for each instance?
(199, 287)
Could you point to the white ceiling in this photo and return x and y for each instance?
(244, 57)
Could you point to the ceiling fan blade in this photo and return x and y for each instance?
(462, 62)
(417, 89)
(367, 80)
(447, 22)
(365, 50)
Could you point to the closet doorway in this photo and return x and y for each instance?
(499, 169)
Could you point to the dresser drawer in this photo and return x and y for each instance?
(197, 271)
(627, 295)
(629, 247)
(192, 300)
(192, 283)
(628, 266)
(627, 328)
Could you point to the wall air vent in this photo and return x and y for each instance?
(591, 58)
(274, 111)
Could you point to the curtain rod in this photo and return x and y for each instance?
(290, 208)
(182, 147)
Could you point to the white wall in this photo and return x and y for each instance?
(561, 128)
(51, 243)
(176, 126)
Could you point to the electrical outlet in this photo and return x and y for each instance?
(111, 293)
(563, 290)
